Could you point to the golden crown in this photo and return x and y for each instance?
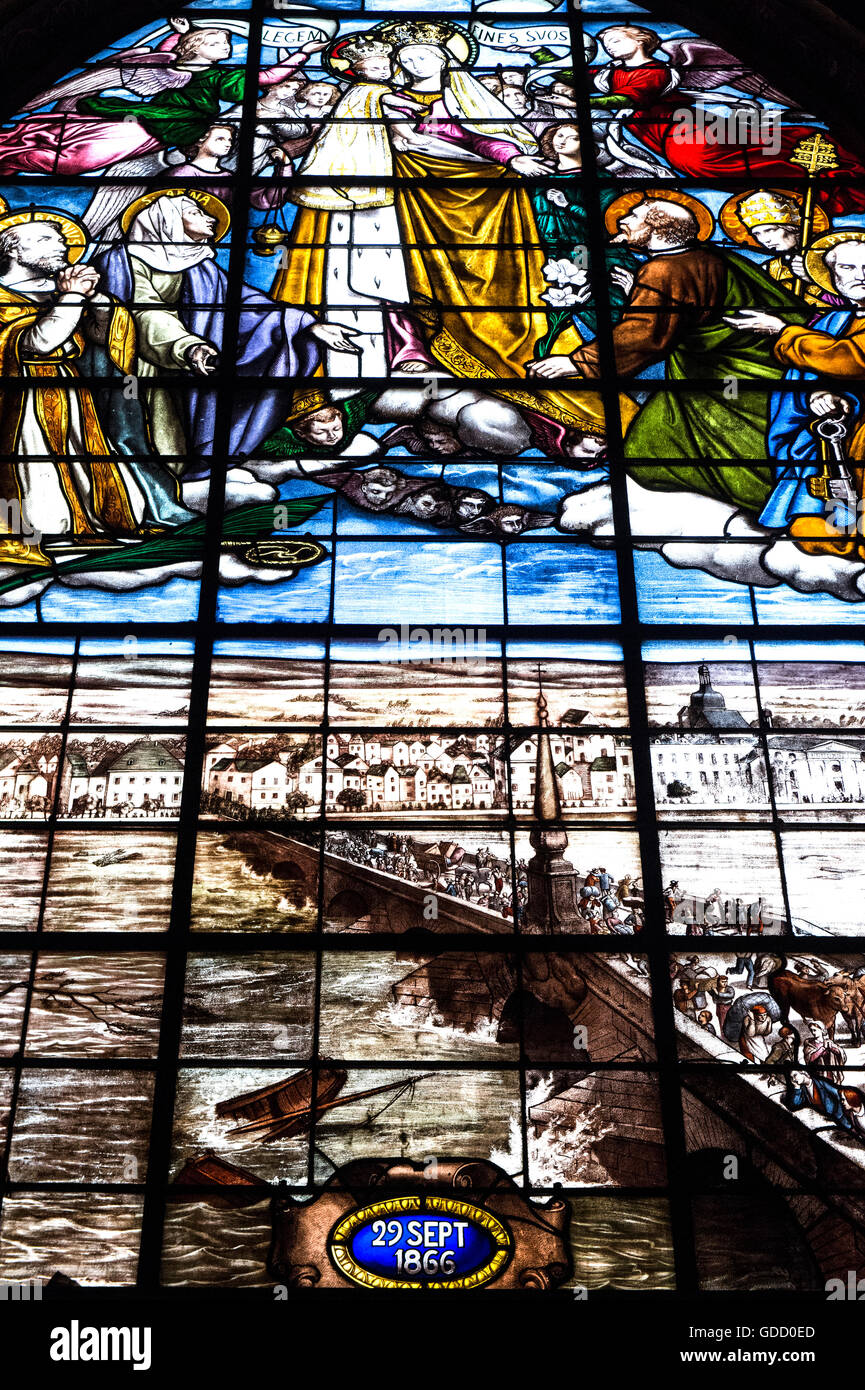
(768, 209)
(458, 41)
(363, 48)
(416, 31)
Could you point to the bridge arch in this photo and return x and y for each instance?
(547, 1030)
(347, 907)
(747, 1236)
(287, 869)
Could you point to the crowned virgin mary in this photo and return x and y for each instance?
(421, 233)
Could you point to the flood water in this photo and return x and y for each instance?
(230, 894)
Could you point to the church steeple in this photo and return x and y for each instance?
(553, 885)
(707, 708)
(548, 805)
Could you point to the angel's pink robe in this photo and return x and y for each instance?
(66, 142)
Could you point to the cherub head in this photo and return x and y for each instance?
(512, 520)
(379, 486)
(323, 427)
(430, 503)
(367, 58)
(470, 503)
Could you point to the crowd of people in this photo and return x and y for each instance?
(479, 878)
(606, 906)
(716, 914)
(752, 1014)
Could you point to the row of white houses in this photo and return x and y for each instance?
(146, 775)
(593, 770)
(390, 772)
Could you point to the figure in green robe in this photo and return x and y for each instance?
(675, 315)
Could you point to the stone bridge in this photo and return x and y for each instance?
(580, 1010)
(356, 897)
(575, 1011)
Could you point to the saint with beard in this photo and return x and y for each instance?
(677, 313)
(62, 464)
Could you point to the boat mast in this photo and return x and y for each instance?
(276, 1124)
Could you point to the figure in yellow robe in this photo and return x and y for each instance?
(444, 266)
(833, 348)
(61, 472)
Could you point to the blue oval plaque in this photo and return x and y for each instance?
(421, 1242)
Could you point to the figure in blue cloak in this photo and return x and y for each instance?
(167, 274)
(794, 443)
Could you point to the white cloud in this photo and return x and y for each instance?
(25, 592)
(275, 472)
(743, 553)
(590, 514)
(816, 574)
(125, 580)
(233, 572)
(242, 488)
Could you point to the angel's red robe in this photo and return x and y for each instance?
(694, 152)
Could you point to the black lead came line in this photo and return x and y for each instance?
(178, 935)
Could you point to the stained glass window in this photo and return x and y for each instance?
(432, 771)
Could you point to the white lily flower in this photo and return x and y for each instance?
(565, 272)
(560, 297)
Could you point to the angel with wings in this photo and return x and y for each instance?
(158, 98)
(653, 82)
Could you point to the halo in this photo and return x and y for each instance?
(815, 256)
(212, 205)
(74, 233)
(623, 205)
(735, 228)
(400, 32)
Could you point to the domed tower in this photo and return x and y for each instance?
(707, 708)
